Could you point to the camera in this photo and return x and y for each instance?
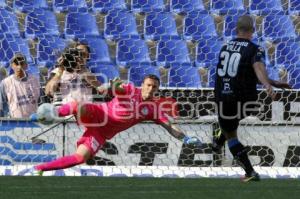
(70, 59)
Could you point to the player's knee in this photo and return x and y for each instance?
(83, 153)
(80, 158)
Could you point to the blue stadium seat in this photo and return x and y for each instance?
(265, 7)
(68, 5)
(3, 4)
(145, 6)
(80, 25)
(267, 56)
(120, 24)
(207, 53)
(132, 51)
(278, 28)
(294, 7)
(171, 53)
(34, 70)
(184, 76)
(8, 22)
(198, 26)
(224, 7)
(48, 50)
(160, 25)
(229, 25)
(104, 71)
(99, 49)
(10, 45)
(29, 5)
(186, 6)
(40, 22)
(273, 73)
(287, 54)
(136, 73)
(294, 77)
(104, 6)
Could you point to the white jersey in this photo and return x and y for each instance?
(72, 88)
(20, 95)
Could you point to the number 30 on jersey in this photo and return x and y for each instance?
(230, 63)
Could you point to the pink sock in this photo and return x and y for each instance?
(67, 109)
(61, 163)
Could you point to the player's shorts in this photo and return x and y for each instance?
(92, 139)
(230, 112)
(94, 120)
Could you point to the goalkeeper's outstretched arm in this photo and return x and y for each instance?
(177, 133)
(113, 86)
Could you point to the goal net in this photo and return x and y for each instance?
(177, 40)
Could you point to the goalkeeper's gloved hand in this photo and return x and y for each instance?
(192, 141)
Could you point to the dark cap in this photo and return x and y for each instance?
(18, 59)
(245, 24)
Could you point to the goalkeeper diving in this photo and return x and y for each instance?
(103, 121)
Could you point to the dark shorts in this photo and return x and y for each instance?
(230, 112)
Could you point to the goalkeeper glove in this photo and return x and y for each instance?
(192, 141)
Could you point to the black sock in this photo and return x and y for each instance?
(240, 152)
(220, 141)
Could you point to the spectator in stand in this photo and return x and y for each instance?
(19, 92)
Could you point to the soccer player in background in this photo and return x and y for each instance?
(103, 121)
(241, 66)
(19, 92)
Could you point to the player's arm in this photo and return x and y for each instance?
(53, 83)
(279, 84)
(258, 64)
(263, 78)
(177, 133)
(115, 86)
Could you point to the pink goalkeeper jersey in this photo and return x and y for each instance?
(128, 109)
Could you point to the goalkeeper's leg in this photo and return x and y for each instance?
(82, 154)
(87, 146)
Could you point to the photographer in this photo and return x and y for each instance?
(71, 80)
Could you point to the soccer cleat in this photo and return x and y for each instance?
(253, 176)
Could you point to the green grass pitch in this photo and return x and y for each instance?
(17, 187)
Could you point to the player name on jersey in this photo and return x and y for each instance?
(235, 46)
